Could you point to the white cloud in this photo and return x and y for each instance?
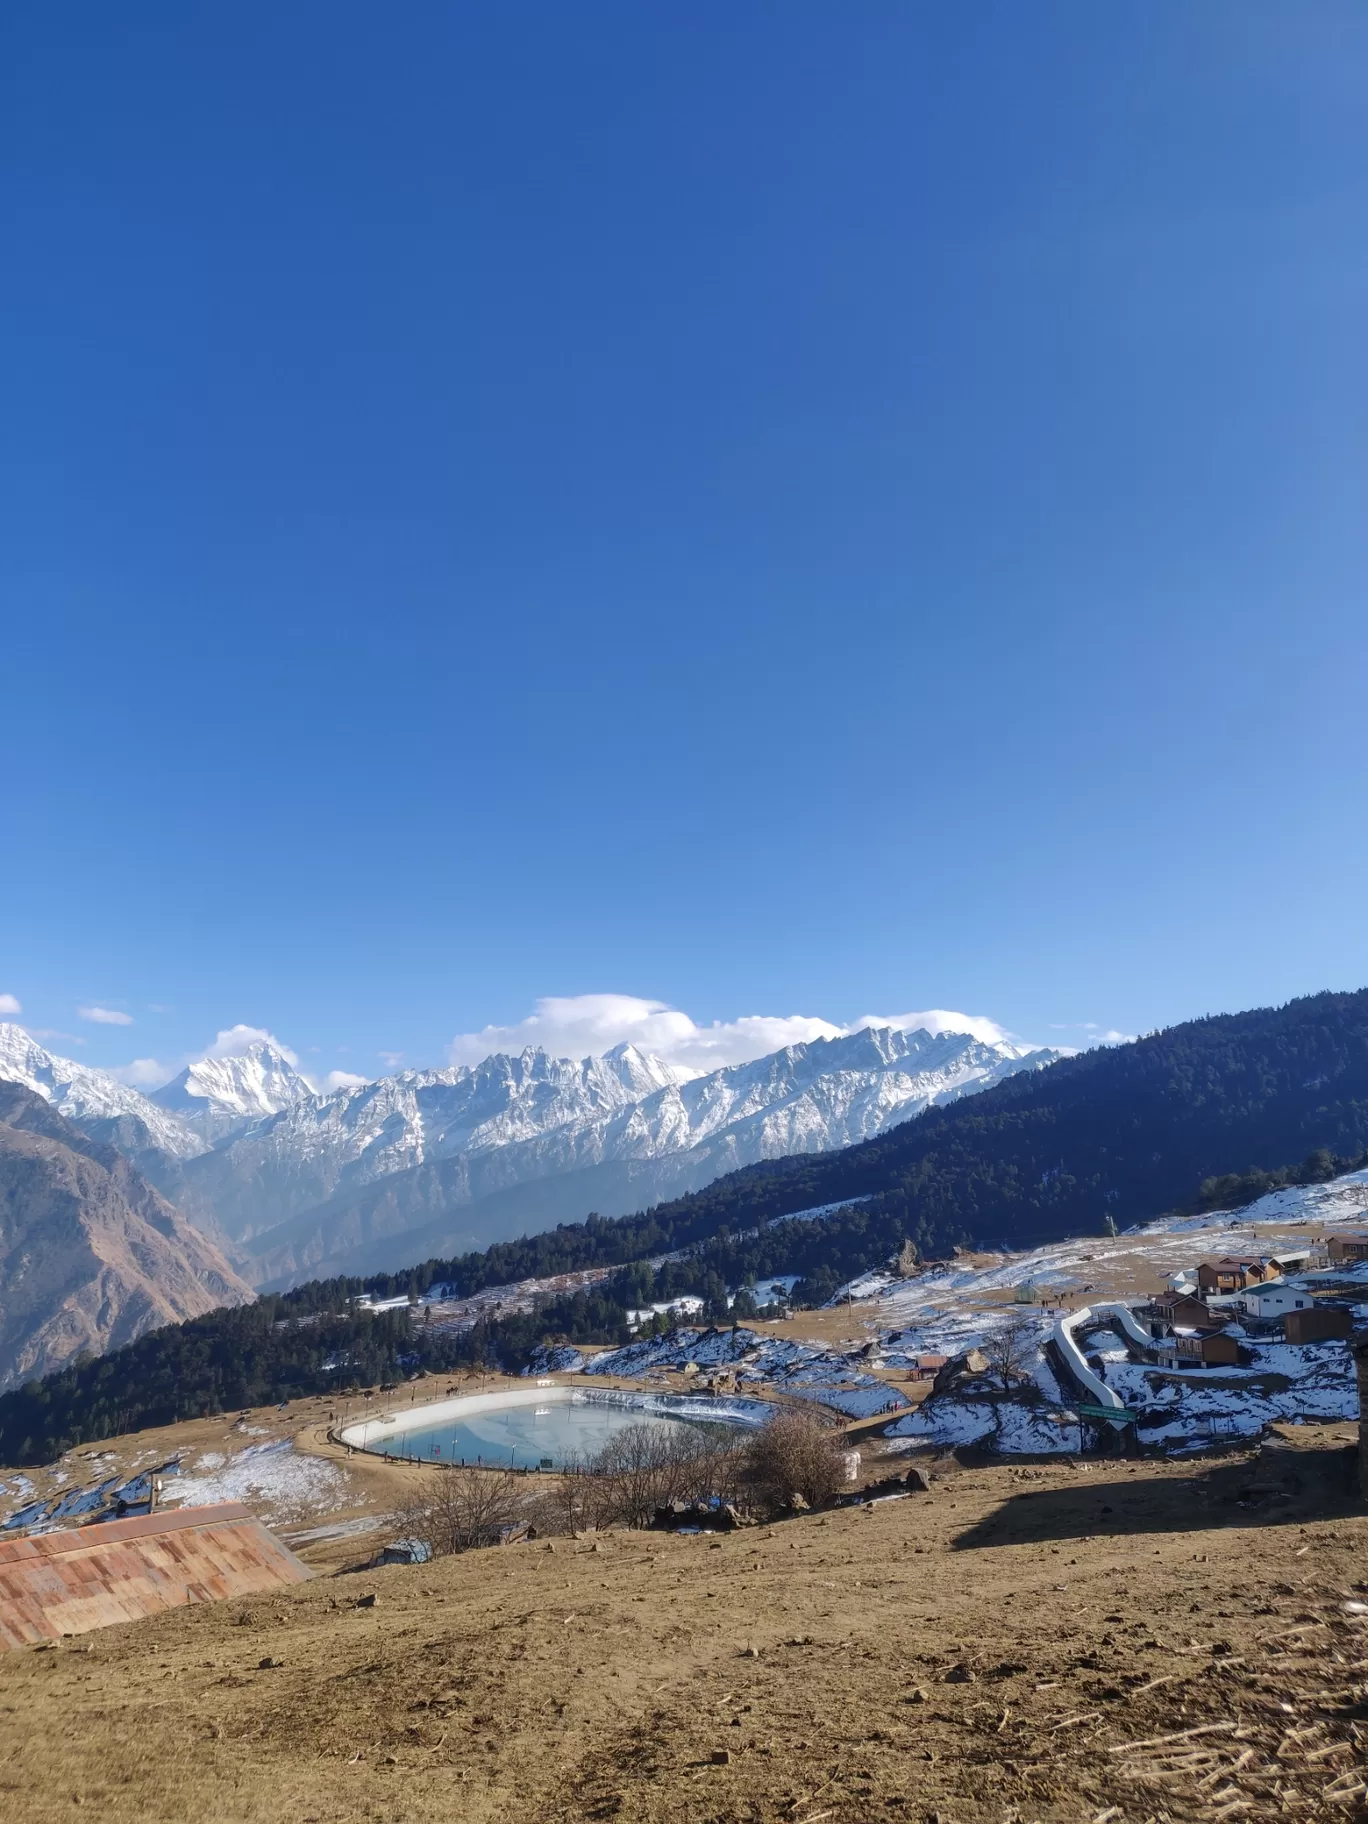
(105, 1016)
(151, 1073)
(587, 1025)
(9, 1003)
(393, 1058)
(51, 1032)
(941, 1019)
(235, 1040)
(343, 1079)
(1093, 1034)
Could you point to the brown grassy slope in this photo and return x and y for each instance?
(983, 1653)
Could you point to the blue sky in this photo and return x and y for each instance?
(773, 509)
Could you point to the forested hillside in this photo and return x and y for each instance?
(1126, 1132)
(1206, 1112)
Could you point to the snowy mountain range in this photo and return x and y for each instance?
(102, 1107)
(373, 1176)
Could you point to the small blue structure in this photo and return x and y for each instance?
(406, 1551)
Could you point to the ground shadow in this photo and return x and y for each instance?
(1296, 1486)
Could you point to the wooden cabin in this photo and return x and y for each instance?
(1230, 1274)
(1204, 1349)
(1321, 1324)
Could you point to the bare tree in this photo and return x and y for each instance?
(796, 1453)
(571, 1500)
(457, 1509)
(645, 1467)
(1011, 1350)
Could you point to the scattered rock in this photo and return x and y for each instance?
(918, 1481)
(960, 1675)
(367, 1602)
(721, 1757)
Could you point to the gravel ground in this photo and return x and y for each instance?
(1101, 1644)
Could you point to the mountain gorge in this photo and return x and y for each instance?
(373, 1176)
(91, 1256)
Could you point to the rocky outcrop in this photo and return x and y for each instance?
(90, 1255)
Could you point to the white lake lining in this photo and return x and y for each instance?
(467, 1428)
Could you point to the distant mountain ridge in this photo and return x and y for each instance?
(378, 1174)
(101, 1106)
(520, 1143)
(91, 1256)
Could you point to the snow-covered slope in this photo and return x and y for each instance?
(101, 1106)
(220, 1096)
(620, 1131)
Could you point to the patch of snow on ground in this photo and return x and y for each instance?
(803, 1369)
(341, 1529)
(1238, 1402)
(867, 1285)
(947, 1422)
(286, 1484)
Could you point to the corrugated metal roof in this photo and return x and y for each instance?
(68, 1583)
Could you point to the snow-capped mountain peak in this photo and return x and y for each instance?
(641, 1070)
(218, 1093)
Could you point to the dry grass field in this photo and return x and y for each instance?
(1105, 1642)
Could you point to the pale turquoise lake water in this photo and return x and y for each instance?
(524, 1437)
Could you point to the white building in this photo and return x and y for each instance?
(1274, 1299)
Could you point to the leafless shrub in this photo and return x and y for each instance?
(1012, 1349)
(796, 1453)
(457, 1509)
(644, 1467)
(571, 1500)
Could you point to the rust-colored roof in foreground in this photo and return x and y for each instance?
(67, 1583)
